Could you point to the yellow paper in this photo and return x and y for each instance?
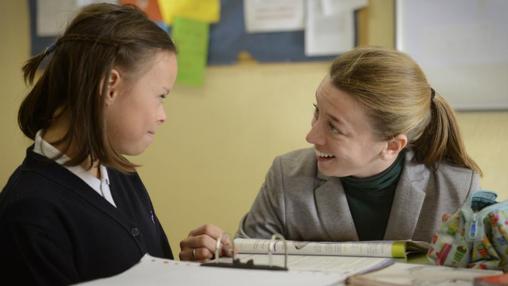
(207, 11)
(399, 249)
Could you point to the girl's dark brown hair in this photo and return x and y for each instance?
(101, 37)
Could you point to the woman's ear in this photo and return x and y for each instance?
(394, 146)
(113, 86)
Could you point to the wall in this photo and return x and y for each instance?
(14, 50)
(209, 160)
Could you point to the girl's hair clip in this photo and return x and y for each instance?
(49, 49)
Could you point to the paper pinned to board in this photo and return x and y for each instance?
(331, 7)
(151, 271)
(327, 35)
(273, 15)
(53, 16)
(191, 40)
(207, 11)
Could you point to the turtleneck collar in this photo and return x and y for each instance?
(379, 181)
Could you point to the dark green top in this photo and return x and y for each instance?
(370, 199)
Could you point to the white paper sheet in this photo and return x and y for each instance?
(273, 15)
(155, 271)
(342, 6)
(53, 16)
(327, 35)
(343, 265)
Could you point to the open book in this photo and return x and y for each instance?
(344, 266)
(494, 280)
(391, 249)
(402, 274)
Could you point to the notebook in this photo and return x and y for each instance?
(385, 248)
(404, 274)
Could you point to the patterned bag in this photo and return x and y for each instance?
(476, 236)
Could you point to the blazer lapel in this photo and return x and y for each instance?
(333, 209)
(407, 202)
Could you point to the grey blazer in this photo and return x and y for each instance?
(302, 204)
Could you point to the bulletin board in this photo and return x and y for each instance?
(462, 46)
(228, 39)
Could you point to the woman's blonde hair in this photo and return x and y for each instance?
(399, 100)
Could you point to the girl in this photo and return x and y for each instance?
(75, 209)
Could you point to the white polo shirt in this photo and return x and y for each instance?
(101, 186)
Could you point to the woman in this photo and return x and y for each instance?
(76, 209)
(388, 159)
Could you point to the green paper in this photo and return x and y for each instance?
(191, 39)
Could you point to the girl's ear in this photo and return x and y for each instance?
(394, 146)
(113, 86)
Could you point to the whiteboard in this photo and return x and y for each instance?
(461, 45)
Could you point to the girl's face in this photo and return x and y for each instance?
(134, 107)
(343, 139)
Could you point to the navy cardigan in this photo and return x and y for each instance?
(56, 230)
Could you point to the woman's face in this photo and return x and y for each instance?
(343, 139)
(134, 107)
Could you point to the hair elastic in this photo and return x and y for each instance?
(49, 49)
(432, 94)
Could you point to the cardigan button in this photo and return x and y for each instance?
(135, 231)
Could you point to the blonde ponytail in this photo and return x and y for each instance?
(441, 139)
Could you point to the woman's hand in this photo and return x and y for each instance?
(201, 243)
